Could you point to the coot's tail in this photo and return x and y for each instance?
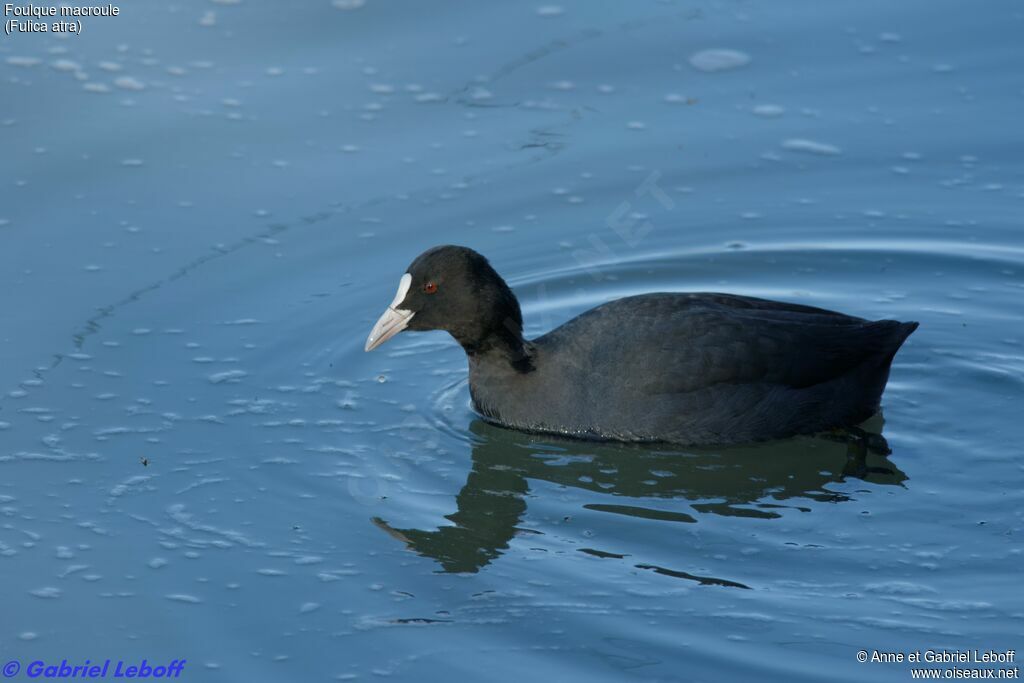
(900, 333)
(863, 388)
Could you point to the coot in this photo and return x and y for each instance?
(686, 368)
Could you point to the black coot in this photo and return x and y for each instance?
(684, 368)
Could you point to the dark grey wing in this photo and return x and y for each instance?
(676, 343)
(793, 350)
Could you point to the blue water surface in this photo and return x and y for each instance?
(204, 206)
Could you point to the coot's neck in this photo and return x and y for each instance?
(501, 344)
(492, 334)
(504, 346)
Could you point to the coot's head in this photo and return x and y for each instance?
(455, 289)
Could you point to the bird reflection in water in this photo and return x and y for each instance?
(748, 481)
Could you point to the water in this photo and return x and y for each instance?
(206, 206)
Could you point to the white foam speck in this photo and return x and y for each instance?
(178, 513)
(47, 592)
(28, 635)
(229, 376)
(769, 110)
(183, 597)
(550, 10)
(73, 569)
(157, 563)
(308, 607)
(129, 83)
(348, 4)
(66, 65)
(711, 61)
(23, 61)
(810, 147)
(128, 484)
(270, 572)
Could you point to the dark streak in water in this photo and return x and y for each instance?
(776, 506)
(702, 580)
(421, 620)
(602, 553)
(645, 513)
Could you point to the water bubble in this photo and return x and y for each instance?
(768, 110)
(66, 65)
(129, 83)
(810, 147)
(711, 61)
(23, 61)
(550, 10)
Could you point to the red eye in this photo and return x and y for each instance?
(430, 287)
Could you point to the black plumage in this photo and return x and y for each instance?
(687, 368)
